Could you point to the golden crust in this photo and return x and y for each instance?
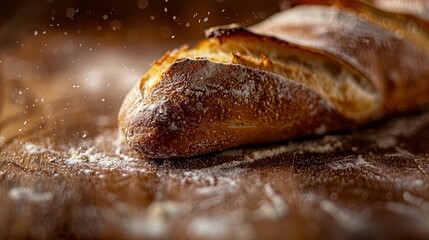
(280, 80)
(191, 112)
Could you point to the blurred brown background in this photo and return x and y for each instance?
(128, 21)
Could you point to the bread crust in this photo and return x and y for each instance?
(279, 80)
(392, 52)
(192, 112)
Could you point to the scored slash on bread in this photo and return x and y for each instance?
(305, 71)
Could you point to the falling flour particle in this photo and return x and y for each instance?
(24, 193)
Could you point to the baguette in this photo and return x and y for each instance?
(304, 71)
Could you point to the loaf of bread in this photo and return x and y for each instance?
(308, 70)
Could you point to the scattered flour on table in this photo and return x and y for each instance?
(416, 201)
(24, 193)
(91, 156)
(104, 151)
(153, 222)
(147, 227)
(422, 217)
(217, 227)
(280, 208)
(350, 162)
(385, 142)
(401, 153)
(346, 219)
(388, 137)
(32, 148)
(230, 225)
(236, 224)
(223, 186)
(328, 144)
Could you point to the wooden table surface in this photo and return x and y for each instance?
(66, 173)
